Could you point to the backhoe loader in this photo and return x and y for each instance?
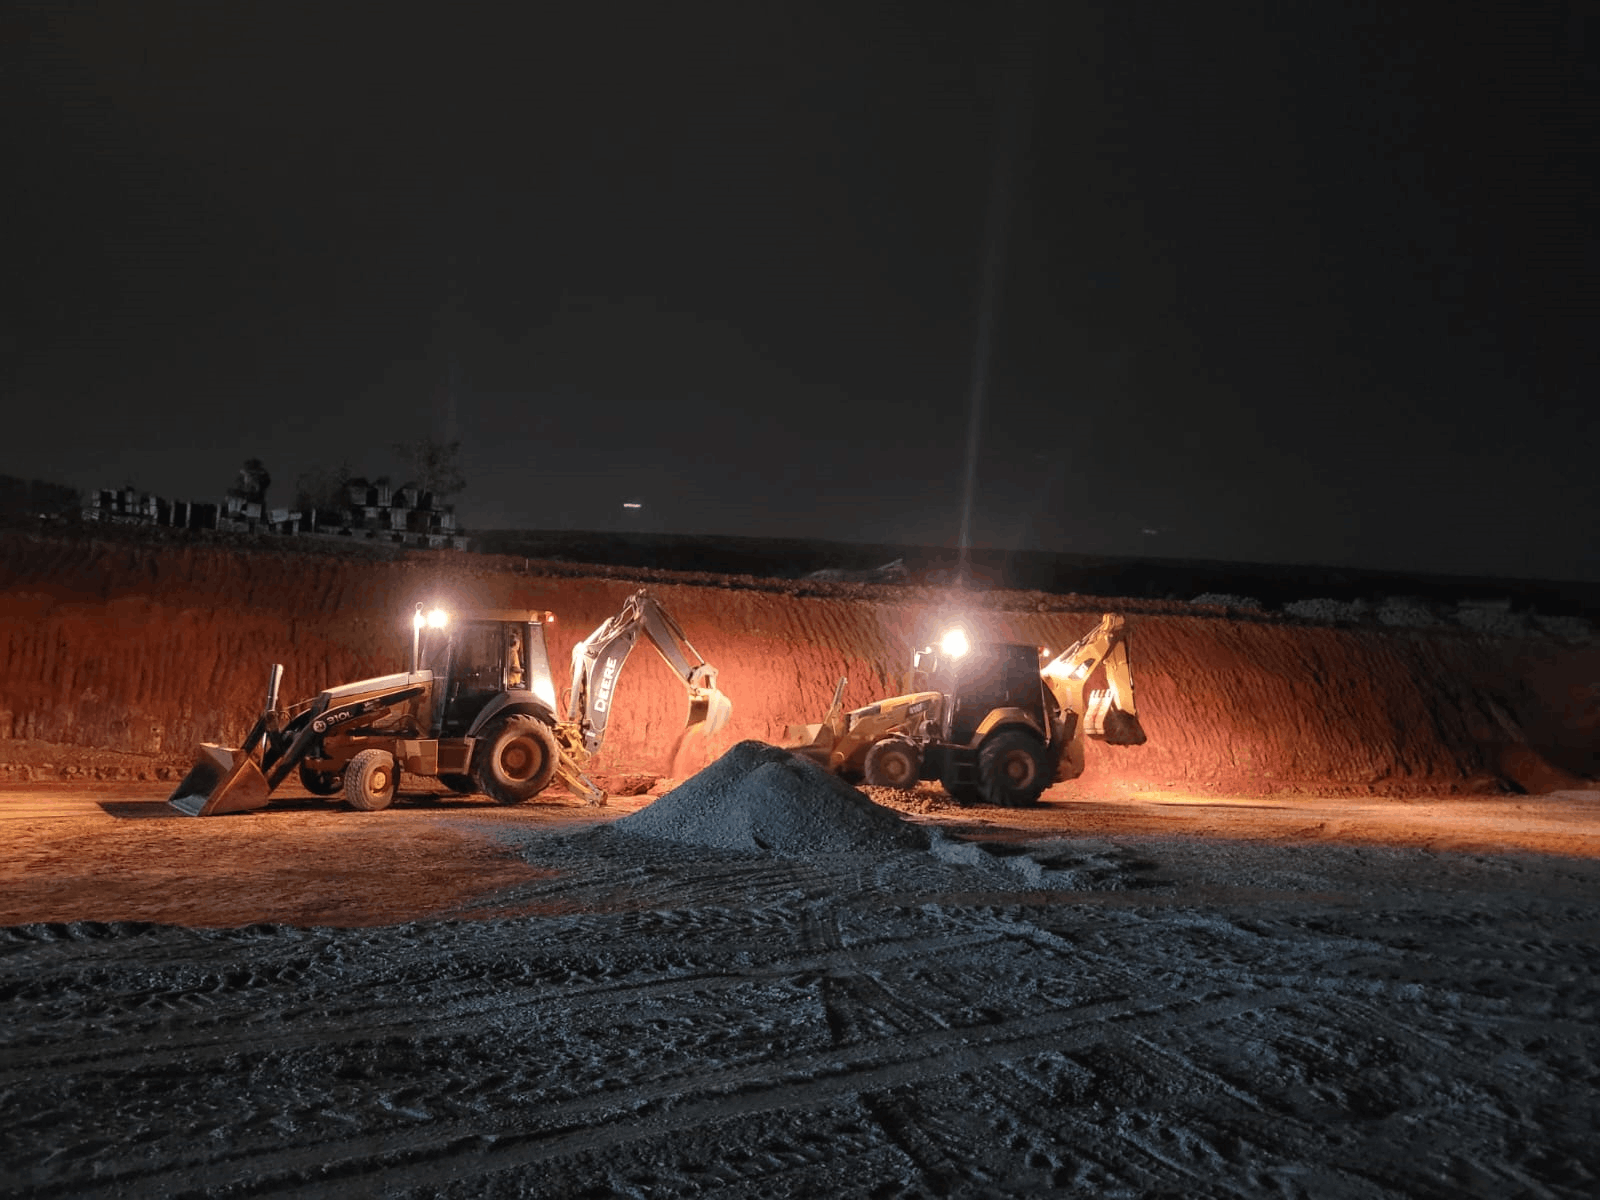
(477, 710)
(988, 722)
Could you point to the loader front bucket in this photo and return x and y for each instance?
(221, 781)
(798, 737)
(818, 736)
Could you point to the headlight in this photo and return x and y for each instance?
(438, 618)
(954, 643)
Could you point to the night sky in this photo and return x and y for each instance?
(1279, 283)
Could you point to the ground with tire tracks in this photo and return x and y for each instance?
(1128, 995)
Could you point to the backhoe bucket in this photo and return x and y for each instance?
(709, 707)
(1108, 723)
(221, 781)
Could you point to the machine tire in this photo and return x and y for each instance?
(321, 783)
(518, 759)
(962, 793)
(1013, 769)
(894, 763)
(370, 780)
(461, 785)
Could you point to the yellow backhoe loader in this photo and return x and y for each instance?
(476, 709)
(988, 722)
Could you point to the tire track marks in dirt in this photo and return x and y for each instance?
(437, 1156)
(907, 1025)
(1108, 1159)
(531, 1003)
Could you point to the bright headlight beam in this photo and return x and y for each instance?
(438, 618)
(954, 643)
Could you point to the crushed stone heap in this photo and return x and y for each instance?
(758, 797)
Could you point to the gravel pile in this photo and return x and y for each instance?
(1572, 629)
(1406, 612)
(1225, 600)
(1329, 611)
(760, 798)
(1496, 620)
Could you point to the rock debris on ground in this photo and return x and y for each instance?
(758, 797)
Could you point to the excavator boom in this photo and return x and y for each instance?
(1109, 713)
(597, 662)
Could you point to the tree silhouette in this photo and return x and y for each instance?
(253, 482)
(435, 465)
(324, 489)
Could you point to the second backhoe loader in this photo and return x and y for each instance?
(988, 722)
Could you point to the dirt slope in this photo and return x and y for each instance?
(149, 648)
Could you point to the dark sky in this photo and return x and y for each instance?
(1299, 283)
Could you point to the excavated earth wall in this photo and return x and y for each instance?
(149, 648)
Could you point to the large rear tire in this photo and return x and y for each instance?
(518, 759)
(962, 793)
(370, 780)
(894, 763)
(1013, 769)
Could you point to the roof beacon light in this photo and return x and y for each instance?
(954, 643)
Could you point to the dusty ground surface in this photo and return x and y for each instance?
(116, 852)
(1126, 994)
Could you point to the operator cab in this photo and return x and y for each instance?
(481, 657)
(989, 676)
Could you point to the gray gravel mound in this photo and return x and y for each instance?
(1495, 619)
(1407, 611)
(759, 798)
(1226, 600)
(1331, 611)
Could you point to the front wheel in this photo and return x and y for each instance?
(1013, 769)
(893, 762)
(320, 783)
(369, 780)
(518, 759)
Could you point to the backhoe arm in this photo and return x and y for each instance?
(1109, 713)
(597, 661)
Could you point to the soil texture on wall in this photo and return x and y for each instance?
(141, 649)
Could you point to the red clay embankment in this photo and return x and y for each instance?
(123, 644)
